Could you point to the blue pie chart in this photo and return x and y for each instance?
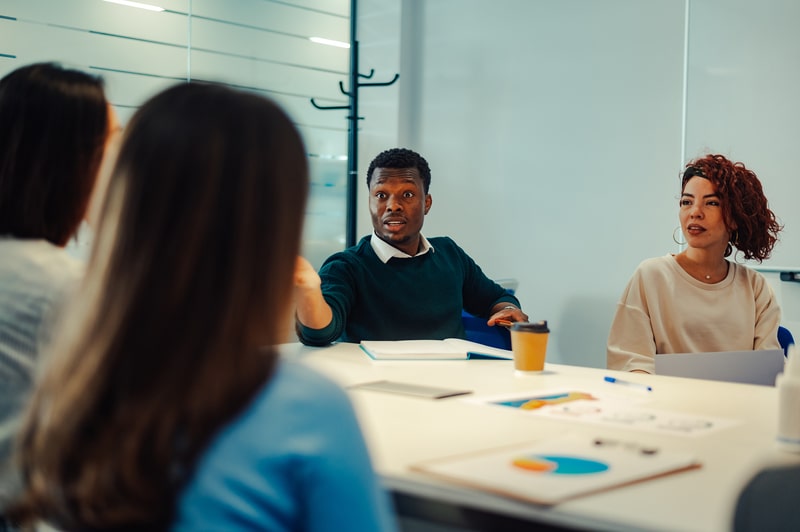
(559, 465)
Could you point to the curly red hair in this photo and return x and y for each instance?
(744, 205)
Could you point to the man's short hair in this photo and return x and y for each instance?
(401, 158)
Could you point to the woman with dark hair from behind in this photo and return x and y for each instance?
(697, 300)
(166, 404)
(54, 124)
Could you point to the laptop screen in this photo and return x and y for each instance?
(750, 367)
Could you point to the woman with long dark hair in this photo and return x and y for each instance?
(165, 403)
(54, 125)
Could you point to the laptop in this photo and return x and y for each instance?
(750, 367)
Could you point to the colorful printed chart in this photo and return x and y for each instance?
(540, 401)
(604, 409)
(558, 469)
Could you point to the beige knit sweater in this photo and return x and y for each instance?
(665, 310)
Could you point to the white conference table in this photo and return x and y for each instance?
(402, 430)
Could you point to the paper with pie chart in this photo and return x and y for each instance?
(559, 469)
(601, 408)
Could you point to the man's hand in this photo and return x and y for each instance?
(506, 314)
(312, 309)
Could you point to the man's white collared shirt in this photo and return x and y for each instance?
(386, 251)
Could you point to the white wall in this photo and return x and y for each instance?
(379, 35)
(744, 79)
(555, 133)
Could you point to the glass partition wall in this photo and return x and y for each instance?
(264, 46)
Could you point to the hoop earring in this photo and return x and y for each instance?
(675, 239)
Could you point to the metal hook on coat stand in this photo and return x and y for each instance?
(353, 118)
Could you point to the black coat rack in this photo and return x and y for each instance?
(353, 118)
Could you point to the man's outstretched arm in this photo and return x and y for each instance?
(312, 309)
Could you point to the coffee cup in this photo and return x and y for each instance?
(529, 345)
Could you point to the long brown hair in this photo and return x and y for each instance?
(190, 277)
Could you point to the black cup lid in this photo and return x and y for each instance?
(538, 326)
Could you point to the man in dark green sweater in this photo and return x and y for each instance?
(396, 284)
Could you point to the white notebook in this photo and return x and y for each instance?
(447, 349)
(750, 367)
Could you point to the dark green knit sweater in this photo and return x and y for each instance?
(414, 298)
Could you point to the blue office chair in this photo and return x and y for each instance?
(477, 330)
(785, 338)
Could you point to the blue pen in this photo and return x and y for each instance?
(615, 380)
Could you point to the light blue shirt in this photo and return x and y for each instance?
(294, 460)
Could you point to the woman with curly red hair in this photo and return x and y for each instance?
(698, 300)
